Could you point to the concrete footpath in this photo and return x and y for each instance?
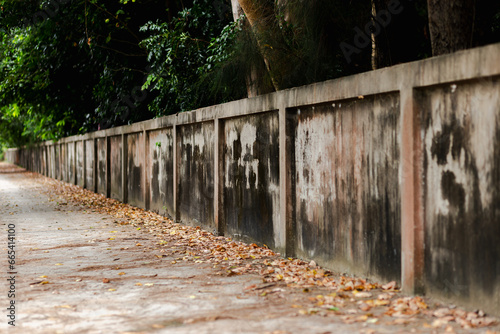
(80, 271)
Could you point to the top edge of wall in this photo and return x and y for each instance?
(477, 63)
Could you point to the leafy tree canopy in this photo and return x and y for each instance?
(73, 66)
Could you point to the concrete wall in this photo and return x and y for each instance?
(115, 162)
(195, 174)
(250, 163)
(345, 165)
(392, 174)
(90, 160)
(135, 169)
(461, 139)
(161, 172)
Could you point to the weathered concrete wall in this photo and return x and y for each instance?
(57, 162)
(251, 178)
(393, 174)
(53, 163)
(135, 169)
(90, 163)
(461, 137)
(115, 163)
(196, 174)
(161, 172)
(70, 153)
(80, 159)
(101, 166)
(344, 167)
(64, 162)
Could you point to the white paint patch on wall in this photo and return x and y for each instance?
(247, 160)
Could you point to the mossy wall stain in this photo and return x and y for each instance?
(79, 164)
(89, 163)
(135, 169)
(71, 162)
(101, 166)
(462, 191)
(115, 156)
(251, 178)
(161, 172)
(345, 175)
(196, 174)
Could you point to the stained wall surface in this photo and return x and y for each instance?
(461, 141)
(90, 162)
(115, 163)
(161, 172)
(251, 178)
(195, 149)
(135, 169)
(101, 166)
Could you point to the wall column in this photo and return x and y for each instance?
(124, 168)
(218, 177)
(412, 218)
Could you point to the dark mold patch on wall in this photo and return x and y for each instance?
(57, 165)
(345, 186)
(161, 172)
(135, 169)
(101, 166)
(71, 162)
(64, 164)
(251, 177)
(461, 139)
(195, 196)
(89, 164)
(79, 164)
(115, 156)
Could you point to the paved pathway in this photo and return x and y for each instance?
(64, 256)
(79, 271)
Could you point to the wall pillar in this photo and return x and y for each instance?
(175, 167)
(146, 190)
(287, 229)
(124, 168)
(218, 177)
(412, 217)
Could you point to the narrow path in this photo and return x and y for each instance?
(79, 270)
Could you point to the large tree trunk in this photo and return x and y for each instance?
(451, 25)
(257, 81)
(260, 14)
(395, 32)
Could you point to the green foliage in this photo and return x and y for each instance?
(180, 53)
(82, 65)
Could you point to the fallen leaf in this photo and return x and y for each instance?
(389, 286)
(105, 280)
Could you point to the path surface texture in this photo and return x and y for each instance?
(86, 264)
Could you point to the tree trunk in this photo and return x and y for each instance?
(260, 14)
(256, 82)
(451, 25)
(396, 32)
